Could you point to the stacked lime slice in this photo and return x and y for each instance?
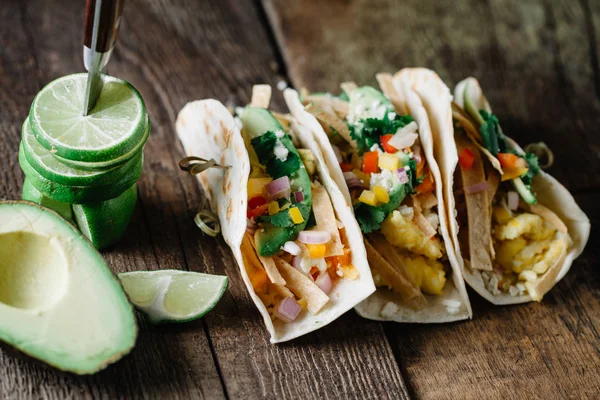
(86, 167)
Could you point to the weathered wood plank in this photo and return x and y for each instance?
(536, 66)
(176, 52)
(536, 97)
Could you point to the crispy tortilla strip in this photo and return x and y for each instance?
(261, 96)
(254, 268)
(330, 104)
(473, 133)
(331, 122)
(394, 274)
(267, 263)
(282, 290)
(493, 183)
(348, 87)
(427, 200)
(325, 217)
(302, 286)
(284, 119)
(386, 83)
(478, 209)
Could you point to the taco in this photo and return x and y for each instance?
(517, 227)
(299, 249)
(379, 149)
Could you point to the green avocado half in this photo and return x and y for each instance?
(59, 301)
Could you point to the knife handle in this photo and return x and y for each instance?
(108, 23)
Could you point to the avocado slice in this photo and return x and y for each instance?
(257, 122)
(59, 301)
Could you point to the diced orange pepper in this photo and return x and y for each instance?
(258, 211)
(346, 167)
(511, 161)
(316, 250)
(386, 146)
(370, 162)
(426, 186)
(466, 158)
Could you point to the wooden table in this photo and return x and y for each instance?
(539, 65)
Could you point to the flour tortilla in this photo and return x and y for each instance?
(549, 193)
(207, 129)
(438, 308)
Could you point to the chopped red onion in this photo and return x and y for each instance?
(279, 188)
(476, 188)
(352, 180)
(287, 310)
(324, 282)
(405, 136)
(402, 175)
(513, 200)
(291, 248)
(314, 237)
(299, 196)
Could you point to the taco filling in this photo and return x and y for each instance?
(516, 244)
(391, 189)
(295, 249)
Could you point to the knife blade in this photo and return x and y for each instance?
(102, 21)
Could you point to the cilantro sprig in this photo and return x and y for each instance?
(368, 131)
(264, 146)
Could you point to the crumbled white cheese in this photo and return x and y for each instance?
(376, 148)
(385, 178)
(389, 310)
(433, 219)
(279, 134)
(282, 85)
(451, 303)
(281, 152)
(513, 291)
(391, 115)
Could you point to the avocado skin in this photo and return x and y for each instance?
(269, 240)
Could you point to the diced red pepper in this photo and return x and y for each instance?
(386, 146)
(466, 158)
(426, 186)
(346, 167)
(256, 206)
(370, 159)
(511, 161)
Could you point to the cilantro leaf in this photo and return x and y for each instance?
(368, 131)
(264, 146)
(533, 168)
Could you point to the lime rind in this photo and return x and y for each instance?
(152, 291)
(99, 166)
(77, 194)
(50, 168)
(113, 128)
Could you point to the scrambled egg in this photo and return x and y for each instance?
(526, 245)
(404, 234)
(429, 275)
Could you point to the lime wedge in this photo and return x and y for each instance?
(114, 127)
(172, 295)
(49, 167)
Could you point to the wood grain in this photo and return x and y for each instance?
(174, 52)
(538, 64)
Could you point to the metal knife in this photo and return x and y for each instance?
(102, 21)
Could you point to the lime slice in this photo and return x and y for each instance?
(105, 222)
(30, 193)
(99, 166)
(114, 126)
(49, 167)
(172, 295)
(77, 194)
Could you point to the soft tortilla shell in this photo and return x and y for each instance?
(207, 129)
(549, 192)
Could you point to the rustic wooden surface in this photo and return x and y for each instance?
(538, 63)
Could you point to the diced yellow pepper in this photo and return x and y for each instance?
(256, 186)
(296, 215)
(316, 250)
(273, 207)
(368, 197)
(388, 161)
(381, 194)
(512, 173)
